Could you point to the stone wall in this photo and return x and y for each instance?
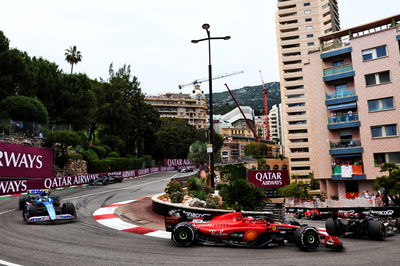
(72, 168)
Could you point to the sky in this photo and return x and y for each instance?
(154, 37)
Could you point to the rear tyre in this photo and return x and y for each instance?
(306, 238)
(69, 208)
(376, 230)
(119, 180)
(183, 234)
(29, 211)
(23, 199)
(335, 227)
(314, 216)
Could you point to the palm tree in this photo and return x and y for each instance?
(72, 56)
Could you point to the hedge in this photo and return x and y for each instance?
(114, 164)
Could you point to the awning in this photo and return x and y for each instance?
(342, 106)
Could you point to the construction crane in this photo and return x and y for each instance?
(198, 81)
(266, 122)
(244, 116)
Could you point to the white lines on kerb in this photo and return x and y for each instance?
(3, 262)
(117, 189)
(6, 212)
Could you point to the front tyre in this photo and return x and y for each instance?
(335, 227)
(22, 200)
(183, 234)
(29, 211)
(306, 238)
(376, 230)
(69, 208)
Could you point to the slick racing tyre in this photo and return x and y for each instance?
(376, 230)
(69, 208)
(183, 235)
(23, 199)
(29, 211)
(335, 227)
(306, 238)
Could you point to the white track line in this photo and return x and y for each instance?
(6, 212)
(3, 262)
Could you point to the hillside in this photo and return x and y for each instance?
(250, 95)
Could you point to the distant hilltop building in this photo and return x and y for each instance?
(191, 107)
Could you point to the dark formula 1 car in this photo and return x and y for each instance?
(234, 229)
(38, 205)
(361, 225)
(107, 178)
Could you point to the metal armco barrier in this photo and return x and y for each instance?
(393, 211)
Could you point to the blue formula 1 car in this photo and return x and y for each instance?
(38, 206)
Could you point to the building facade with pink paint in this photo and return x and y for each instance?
(354, 88)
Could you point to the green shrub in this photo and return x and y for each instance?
(200, 194)
(293, 190)
(120, 164)
(99, 166)
(194, 183)
(113, 154)
(148, 161)
(177, 197)
(137, 163)
(100, 151)
(24, 108)
(212, 202)
(232, 172)
(173, 186)
(75, 156)
(89, 155)
(239, 194)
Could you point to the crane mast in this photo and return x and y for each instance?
(266, 122)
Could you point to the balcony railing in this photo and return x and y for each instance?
(345, 144)
(348, 170)
(338, 70)
(340, 94)
(343, 118)
(336, 44)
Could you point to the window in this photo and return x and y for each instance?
(307, 11)
(308, 19)
(377, 78)
(388, 157)
(296, 104)
(380, 104)
(310, 43)
(300, 159)
(384, 131)
(328, 30)
(276, 167)
(294, 168)
(310, 35)
(339, 62)
(325, 6)
(309, 28)
(374, 53)
(306, 3)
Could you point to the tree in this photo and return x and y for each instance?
(75, 101)
(60, 140)
(72, 56)
(256, 149)
(23, 108)
(122, 111)
(198, 152)
(293, 190)
(390, 183)
(173, 138)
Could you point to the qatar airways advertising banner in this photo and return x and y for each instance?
(25, 161)
(176, 162)
(268, 178)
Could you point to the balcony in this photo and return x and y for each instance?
(343, 121)
(341, 96)
(348, 172)
(339, 72)
(343, 147)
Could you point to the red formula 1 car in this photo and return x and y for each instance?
(234, 229)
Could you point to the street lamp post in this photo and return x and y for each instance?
(210, 99)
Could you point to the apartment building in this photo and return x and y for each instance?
(275, 122)
(354, 112)
(191, 107)
(299, 23)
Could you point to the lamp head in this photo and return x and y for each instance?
(227, 37)
(194, 41)
(206, 26)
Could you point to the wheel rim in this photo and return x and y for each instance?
(311, 239)
(183, 235)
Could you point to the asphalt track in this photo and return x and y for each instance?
(86, 242)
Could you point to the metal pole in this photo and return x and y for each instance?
(212, 183)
